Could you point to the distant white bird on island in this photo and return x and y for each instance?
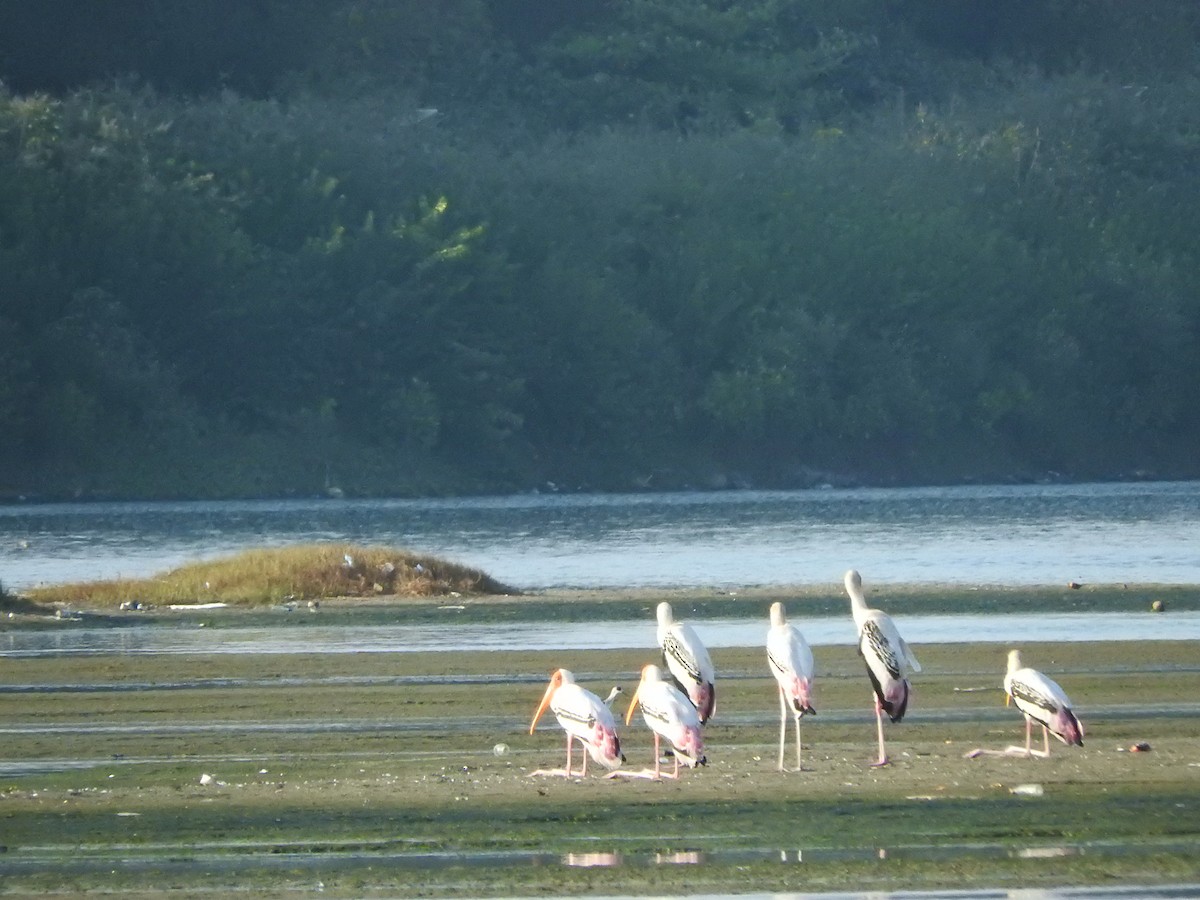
(791, 662)
(585, 718)
(887, 656)
(687, 661)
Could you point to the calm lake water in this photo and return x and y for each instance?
(1009, 535)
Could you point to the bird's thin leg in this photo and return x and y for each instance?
(657, 754)
(1046, 740)
(883, 760)
(566, 773)
(585, 755)
(1013, 749)
(799, 764)
(675, 774)
(782, 727)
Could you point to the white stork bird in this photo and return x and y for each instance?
(670, 715)
(887, 656)
(791, 662)
(1040, 698)
(687, 659)
(585, 718)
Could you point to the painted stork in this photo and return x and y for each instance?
(1042, 700)
(688, 662)
(670, 715)
(585, 718)
(791, 662)
(887, 656)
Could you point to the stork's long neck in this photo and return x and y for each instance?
(1014, 661)
(858, 602)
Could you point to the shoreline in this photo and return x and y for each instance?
(598, 604)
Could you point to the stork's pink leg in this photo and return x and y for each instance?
(1046, 739)
(656, 755)
(1028, 736)
(883, 760)
(799, 764)
(783, 710)
(568, 769)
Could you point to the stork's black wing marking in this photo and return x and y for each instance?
(881, 647)
(1022, 691)
(673, 650)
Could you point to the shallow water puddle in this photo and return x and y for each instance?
(613, 635)
(333, 855)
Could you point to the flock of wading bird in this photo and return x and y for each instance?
(677, 707)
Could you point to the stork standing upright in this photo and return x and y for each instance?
(688, 662)
(791, 662)
(887, 656)
(1041, 699)
(585, 718)
(670, 715)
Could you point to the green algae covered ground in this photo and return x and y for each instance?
(408, 774)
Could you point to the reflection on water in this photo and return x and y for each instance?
(1016, 535)
(212, 857)
(679, 858)
(1047, 852)
(716, 633)
(592, 860)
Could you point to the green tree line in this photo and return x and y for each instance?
(394, 247)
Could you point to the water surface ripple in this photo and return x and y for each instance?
(1007, 535)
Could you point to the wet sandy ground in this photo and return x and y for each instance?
(408, 775)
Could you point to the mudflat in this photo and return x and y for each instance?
(408, 774)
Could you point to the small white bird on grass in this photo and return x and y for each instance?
(791, 662)
(887, 656)
(1041, 700)
(670, 715)
(585, 718)
(688, 662)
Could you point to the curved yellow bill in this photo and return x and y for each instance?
(633, 703)
(556, 681)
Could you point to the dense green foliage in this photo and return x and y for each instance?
(396, 247)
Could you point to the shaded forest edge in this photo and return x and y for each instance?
(368, 249)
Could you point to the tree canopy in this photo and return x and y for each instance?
(393, 247)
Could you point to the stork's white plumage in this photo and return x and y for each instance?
(688, 662)
(585, 718)
(670, 715)
(887, 656)
(791, 662)
(1041, 700)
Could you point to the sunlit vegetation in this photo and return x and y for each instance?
(283, 574)
(375, 249)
